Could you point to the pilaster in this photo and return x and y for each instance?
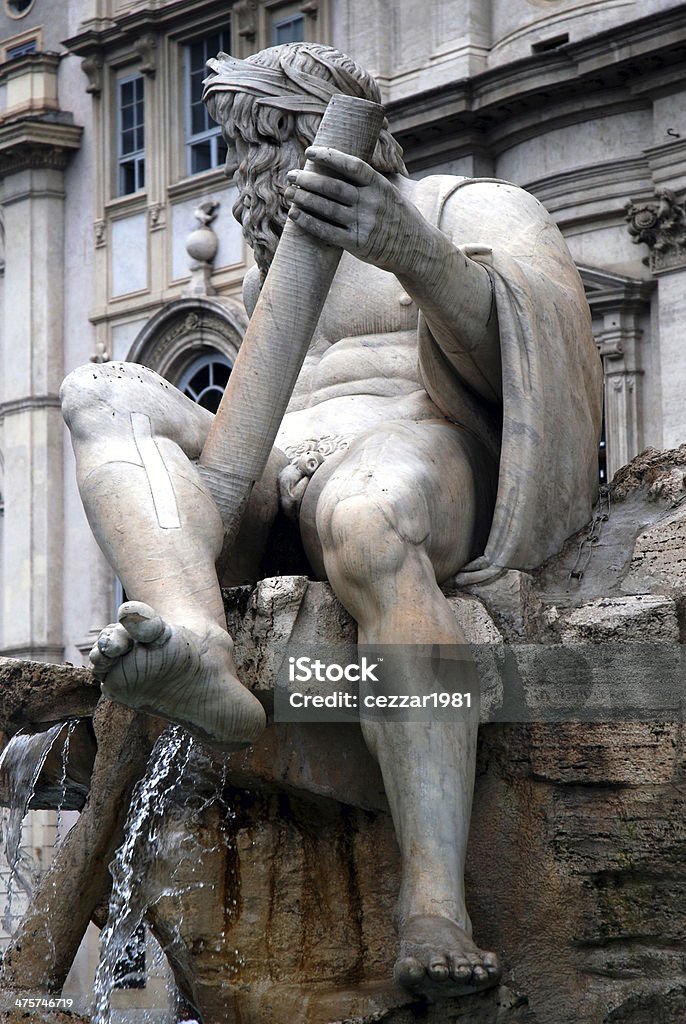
(33, 156)
(618, 306)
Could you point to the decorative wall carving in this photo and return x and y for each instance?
(201, 246)
(92, 67)
(187, 328)
(660, 224)
(146, 47)
(156, 217)
(245, 11)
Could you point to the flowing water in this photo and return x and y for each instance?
(160, 857)
(21, 763)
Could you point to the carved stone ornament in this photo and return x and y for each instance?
(660, 223)
(146, 47)
(92, 68)
(185, 328)
(246, 13)
(156, 215)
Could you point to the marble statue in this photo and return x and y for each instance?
(444, 426)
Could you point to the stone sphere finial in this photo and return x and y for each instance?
(201, 246)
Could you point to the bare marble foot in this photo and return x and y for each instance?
(186, 676)
(440, 960)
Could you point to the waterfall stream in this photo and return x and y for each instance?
(159, 856)
(21, 763)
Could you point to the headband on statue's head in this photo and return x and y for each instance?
(283, 87)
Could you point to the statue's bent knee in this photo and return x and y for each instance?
(86, 390)
(363, 533)
(96, 391)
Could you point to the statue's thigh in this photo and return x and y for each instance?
(430, 480)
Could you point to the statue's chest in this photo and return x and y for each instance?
(364, 301)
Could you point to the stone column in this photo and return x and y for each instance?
(33, 155)
(660, 223)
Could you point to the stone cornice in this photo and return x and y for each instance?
(100, 34)
(607, 292)
(597, 190)
(29, 142)
(16, 405)
(626, 59)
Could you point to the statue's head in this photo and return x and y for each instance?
(269, 107)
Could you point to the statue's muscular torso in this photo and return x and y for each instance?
(361, 369)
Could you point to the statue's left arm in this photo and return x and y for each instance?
(347, 203)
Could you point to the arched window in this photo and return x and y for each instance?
(205, 378)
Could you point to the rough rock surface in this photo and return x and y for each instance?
(577, 862)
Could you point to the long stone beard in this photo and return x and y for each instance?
(260, 208)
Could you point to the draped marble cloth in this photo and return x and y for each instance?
(551, 372)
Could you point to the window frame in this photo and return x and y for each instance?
(213, 134)
(17, 15)
(28, 36)
(277, 23)
(314, 15)
(137, 156)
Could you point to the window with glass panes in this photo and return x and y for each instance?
(288, 30)
(131, 134)
(21, 49)
(205, 379)
(205, 147)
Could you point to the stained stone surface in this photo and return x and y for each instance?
(34, 693)
(576, 870)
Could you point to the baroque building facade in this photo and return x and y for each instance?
(118, 240)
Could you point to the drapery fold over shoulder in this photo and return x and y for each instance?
(552, 376)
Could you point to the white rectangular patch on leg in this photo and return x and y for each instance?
(163, 496)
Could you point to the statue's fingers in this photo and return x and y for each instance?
(351, 168)
(331, 233)
(322, 184)
(324, 209)
(143, 623)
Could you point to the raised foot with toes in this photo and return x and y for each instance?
(187, 676)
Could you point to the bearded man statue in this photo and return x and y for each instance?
(452, 391)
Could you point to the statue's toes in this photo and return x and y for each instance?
(492, 966)
(460, 970)
(143, 623)
(109, 646)
(114, 641)
(408, 971)
(438, 969)
(473, 969)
